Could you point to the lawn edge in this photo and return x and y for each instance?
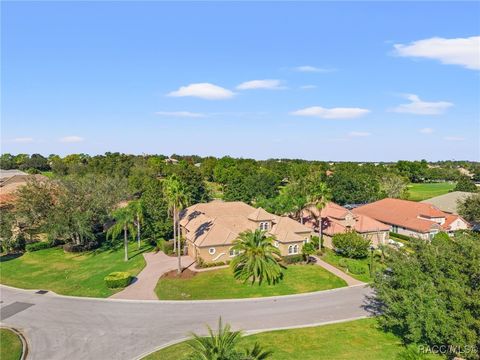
(259, 331)
(22, 338)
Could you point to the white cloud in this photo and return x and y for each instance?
(308, 87)
(22, 140)
(309, 68)
(271, 84)
(185, 114)
(426, 130)
(333, 113)
(454, 138)
(71, 139)
(204, 91)
(459, 51)
(419, 107)
(358, 134)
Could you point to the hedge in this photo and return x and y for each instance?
(40, 245)
(165, 246)
(293, 259)
(117, 279)
(400, 236)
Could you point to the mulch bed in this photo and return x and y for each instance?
(185, 274)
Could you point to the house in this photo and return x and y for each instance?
(337, 219)
(210, 229)
(412, 218)
(171, 161)
(11, 181)
(448, 202)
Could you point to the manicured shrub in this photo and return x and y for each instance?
(75, 248)
(356, 269)
(40, 245)
(351, 245)
(400, 236)
(201, 264)
(118, 279)
(293, 259)
(165, 246)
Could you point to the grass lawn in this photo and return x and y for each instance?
(419, 192)
(359, 340)
(220, 284)
(79, 274)
(10, 345)
(359, 268)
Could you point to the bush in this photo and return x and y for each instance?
(165, 246)
(400, 236)
(117, 279)
(351, 245)
(201, 264)
(356, 269)
(40, 245)
(293, 259)
(75, 248)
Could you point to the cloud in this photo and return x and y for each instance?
(22, 140)
(419, 107)
(459, 51)
(308, 87)
(358, 134)
(71, 139)
(185, 114)
(309, 68)
(271, 84)
(454, 138)
(426, 130)
(203, 91)
(333, 113)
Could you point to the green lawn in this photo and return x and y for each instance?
(70, 274)
(359, 340)
(419, 192)
(220, 284)
(10, 345)
(359, 268)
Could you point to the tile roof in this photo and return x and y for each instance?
(448, 202)
(220, 223)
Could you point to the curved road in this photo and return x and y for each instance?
(62, 327)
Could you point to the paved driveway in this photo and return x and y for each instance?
(59, 327)
(144, 286)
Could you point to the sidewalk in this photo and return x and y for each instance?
(350, 280)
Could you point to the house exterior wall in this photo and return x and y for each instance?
(375, 237)
(412, 233)
(458, 224)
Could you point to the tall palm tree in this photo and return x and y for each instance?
(257, 259)
(221, 345)
(319, 197)
(137, 209)
(124, 221)
(177, 199)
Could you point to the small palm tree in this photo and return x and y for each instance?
(319, 197)
(124, 221)
(137, 208)
(221, 345)
(177, 199)
(257, 259)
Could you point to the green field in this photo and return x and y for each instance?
(220, 284)
(419, 192)
(10, 345)
(359, 340)
(78, 274)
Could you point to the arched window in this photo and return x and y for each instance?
(295, 249)
(290, 249)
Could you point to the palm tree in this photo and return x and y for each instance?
(177, 199)
(137, 209)
(124, 221)
(257, 259)
(221, 345)
(319, 197)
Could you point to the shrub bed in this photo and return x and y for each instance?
(400, 236)
(37, 246)
(118, 279)
(201, 264)
(165, 246)
(293, 259)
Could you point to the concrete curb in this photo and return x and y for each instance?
(22, 337)
(253, 332)
(256, 299)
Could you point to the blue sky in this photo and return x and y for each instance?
(329, 81)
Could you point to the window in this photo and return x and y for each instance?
(211, 251)
(293, 249)
(264, 226)
(233, 253)
(275, 243)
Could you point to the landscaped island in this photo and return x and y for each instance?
(11, 347)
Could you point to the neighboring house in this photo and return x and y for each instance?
(171, 161)
(448, 202)
(210, 229)
(412, 218)
(337, 219)
(10, 181)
